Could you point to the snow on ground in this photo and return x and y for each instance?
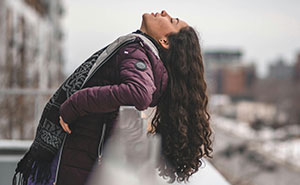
(284, 151)
(287, 151)
(237, 128)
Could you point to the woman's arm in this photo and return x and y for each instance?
(136, 88)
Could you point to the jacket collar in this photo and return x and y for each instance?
(154, 42)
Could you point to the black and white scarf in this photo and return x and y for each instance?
(50, 135)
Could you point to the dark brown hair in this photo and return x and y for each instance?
(181, 118)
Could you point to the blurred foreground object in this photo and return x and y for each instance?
(130, 156)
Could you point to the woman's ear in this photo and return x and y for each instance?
(164, 42)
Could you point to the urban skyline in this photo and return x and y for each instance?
(262, 30)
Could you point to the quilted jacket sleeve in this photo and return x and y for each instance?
(136, 89)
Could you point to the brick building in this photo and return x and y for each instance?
(226, 74)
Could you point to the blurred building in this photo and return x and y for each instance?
(280, 70)
(297, 69)
(222, 57)
(226, 74)
(31, 60)
(31, 43)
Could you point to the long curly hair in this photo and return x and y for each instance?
(181, 118)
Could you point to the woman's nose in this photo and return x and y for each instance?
(164, 13)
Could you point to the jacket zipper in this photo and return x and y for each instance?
(101, 143)
(100, 150)
(59, 159)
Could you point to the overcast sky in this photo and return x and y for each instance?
(263, 30)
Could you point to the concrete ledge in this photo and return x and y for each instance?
(14, 147)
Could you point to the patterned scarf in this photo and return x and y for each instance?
(50, 135)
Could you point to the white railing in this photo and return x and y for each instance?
(206, 175)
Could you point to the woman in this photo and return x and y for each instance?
(162, 67)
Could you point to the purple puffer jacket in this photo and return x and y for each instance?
(133, 76)
(137, 86)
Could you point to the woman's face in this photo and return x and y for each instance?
(159, 25)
